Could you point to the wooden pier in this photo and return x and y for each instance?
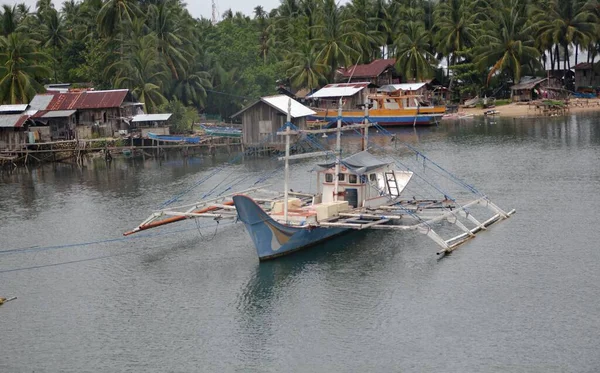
(75, 151)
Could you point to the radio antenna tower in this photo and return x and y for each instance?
(214, 12)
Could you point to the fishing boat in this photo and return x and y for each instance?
(219, 131)
(362, 191)
(391, 107)
(175, 139)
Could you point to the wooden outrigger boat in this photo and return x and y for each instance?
(385, 109)
(358, 192)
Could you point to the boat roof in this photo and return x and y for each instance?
(359, 163)
(339, 90)
(401, 87)
(151, 117)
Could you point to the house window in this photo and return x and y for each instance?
(104, 116)
(352, 179)
(328, 178)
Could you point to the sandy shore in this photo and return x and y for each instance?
(525, 110)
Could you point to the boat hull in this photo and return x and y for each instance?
(384, 120)
(177, 139)
(273, 239)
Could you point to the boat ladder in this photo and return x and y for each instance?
(392, 184)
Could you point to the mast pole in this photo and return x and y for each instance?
(365, 139)
(338, 151)
(287, 161)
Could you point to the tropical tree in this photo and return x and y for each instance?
(455, 21)
(508, 44)
(20, 68)
(413, 59)
(115, 16)
(54, 35)
(142, 72)
(166, 22)
(10, 19)
(191, 86)
(305, 68)
(566, 22)
(338, 43)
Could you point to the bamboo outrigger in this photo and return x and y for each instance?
(358, 192)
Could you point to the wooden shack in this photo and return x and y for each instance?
(587, 75)
(262, 119)
(13, 126)
(82, 113)
(531, 88)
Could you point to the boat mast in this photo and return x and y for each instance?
(365, 140)
(338, 151)
(287, 161)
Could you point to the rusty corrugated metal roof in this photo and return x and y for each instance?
(12, 120)
(87, 100)
(370, 70)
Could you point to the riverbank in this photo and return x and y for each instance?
(531, 110)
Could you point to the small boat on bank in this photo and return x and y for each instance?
(219, 131)
(360, 192)
(175, 139)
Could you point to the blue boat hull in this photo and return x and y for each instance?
(273, 239)
(408, 120)
(172, 138)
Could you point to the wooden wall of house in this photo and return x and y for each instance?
(104, 121)
(261, 122)
(12, 138)
(61, 129)
(586, 78)
(44, 133)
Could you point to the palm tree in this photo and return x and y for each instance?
(20, 66)
(166, 22)
(456, 29)
(192, 84)
(508, 43)
(413, 59)
(10, 18)
(114, 16)
(305, 68)
(339, 45)
(570, 22)
(54, 34)
(142, 72)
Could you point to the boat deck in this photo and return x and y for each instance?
(399, 215)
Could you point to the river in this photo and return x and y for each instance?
(521, 297)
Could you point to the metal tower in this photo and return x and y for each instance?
(214, 12)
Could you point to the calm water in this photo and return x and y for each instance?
(522, 297)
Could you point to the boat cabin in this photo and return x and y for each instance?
(390, 102)
(363, 181)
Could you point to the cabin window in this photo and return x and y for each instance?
(352, 179)
(363, 179)
(341, 177)
(328, 178)
(373, 177)
(104, 117)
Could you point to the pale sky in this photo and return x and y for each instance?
(197, 8)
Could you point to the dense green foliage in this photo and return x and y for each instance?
(164, 55)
